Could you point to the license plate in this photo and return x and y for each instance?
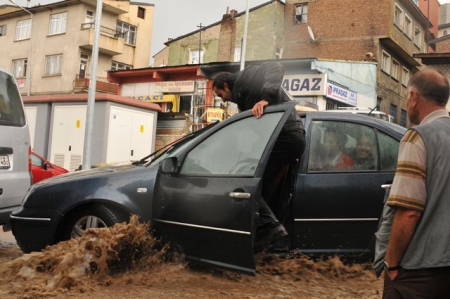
(4, 162)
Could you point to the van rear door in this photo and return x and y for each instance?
(15, 177)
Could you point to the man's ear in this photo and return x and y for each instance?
(225, 86)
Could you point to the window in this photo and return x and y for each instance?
(417, 37)
(23, 29)
(11, 110)
(301, 13)
(408, 27)
(128, 31)
(234, 150)
(405, 76)
(237, 54)
(403, 117)
(416, 2)
(386, 63)
(393, 112)
(2, 30)
(342, 147)
(398, 17)
(19, 69)
(196, 57)
(444, 33)
(278, 53)
(53, 64)
(118, 66)
(89, 17)
(388, 147)
(58, 23)
(141, 12)
(356, 148)
(395, 70)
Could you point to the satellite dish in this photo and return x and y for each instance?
(311, 34)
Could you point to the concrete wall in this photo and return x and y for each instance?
(265, 33)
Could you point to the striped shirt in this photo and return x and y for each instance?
(408, 189)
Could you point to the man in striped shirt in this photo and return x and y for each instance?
(417, 260)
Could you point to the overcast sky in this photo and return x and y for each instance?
(173, 18)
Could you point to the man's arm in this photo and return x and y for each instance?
(403, 227)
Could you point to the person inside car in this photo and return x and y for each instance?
(364, 155)
(334, 157)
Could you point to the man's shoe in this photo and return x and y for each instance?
(268, 234)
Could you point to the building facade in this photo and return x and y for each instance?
(387, 32)
(222, 41)
(53, 43)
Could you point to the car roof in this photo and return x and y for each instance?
(355, 117)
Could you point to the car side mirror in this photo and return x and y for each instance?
(45, 166)
(169, 165)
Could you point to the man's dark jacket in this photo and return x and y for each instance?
(258, 82)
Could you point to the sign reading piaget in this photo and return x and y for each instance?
(175, 86)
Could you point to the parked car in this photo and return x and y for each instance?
(42, 169)
(201, 193)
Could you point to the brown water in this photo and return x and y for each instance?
(126, 262)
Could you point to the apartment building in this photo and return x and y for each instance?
(386, 31)
(53, 43)
(444, 20)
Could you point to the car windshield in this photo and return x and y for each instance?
(175, 147)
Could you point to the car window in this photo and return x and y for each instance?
(234, 150)
(342, 146)
(36, 161)
(11, 110)
(388, 151)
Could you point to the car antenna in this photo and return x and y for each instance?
(371, 110)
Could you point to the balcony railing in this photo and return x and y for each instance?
(104, 30)
(102, 85)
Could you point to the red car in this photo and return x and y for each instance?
(42, 169)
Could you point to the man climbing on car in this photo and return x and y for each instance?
(254, 88)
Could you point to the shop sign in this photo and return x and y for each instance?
(214, 114)
(305, 84)
(175, 86)
(341, 94)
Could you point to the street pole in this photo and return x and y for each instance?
(92, 88)
(30, 48)
(200, 44)
(244, 39)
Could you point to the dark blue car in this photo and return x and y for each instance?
(202, 192)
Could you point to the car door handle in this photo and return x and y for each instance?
(240, 195)
(386, 186)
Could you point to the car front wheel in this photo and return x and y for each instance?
(92, 217)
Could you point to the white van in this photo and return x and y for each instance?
(15, 150)
(365, 111)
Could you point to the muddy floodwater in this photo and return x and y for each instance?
(125, 261)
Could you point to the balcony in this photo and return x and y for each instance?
(111, 42)
(81, 84)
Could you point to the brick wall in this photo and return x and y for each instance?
(344, 30)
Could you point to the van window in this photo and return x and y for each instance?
(11, 111)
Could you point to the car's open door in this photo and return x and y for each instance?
(207, 196)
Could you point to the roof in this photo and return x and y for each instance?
(83, 97)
